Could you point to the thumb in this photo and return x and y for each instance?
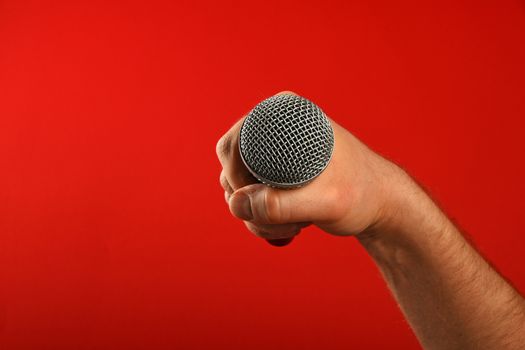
(261, 204)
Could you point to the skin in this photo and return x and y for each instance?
(452, 298)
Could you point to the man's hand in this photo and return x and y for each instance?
(451, 296)
(346, 199)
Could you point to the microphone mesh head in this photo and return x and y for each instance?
(286, 141)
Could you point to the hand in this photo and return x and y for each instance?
(432, 271)
(349, 197)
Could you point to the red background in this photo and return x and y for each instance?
(113, 228)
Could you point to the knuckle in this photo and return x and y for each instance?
(286, 92)
(256, 230)
(272, 207)
(224, 182)
(336, 202)
(224, 146)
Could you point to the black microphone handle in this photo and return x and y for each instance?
(281, 242)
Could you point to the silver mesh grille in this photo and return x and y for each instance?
(286, 141)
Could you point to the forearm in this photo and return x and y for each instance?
(450, 295)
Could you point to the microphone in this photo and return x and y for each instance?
(286, 141)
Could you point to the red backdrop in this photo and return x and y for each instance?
(113, 228)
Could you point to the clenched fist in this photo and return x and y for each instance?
(349, 197)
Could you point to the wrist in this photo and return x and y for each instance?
(407, 214)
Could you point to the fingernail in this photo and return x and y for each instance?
(242, 206)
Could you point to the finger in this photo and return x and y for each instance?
(227, 149)
(273, 232)
(235, 172)
(270, 232)
(286, 92)
(261, 204)
(224, 183)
